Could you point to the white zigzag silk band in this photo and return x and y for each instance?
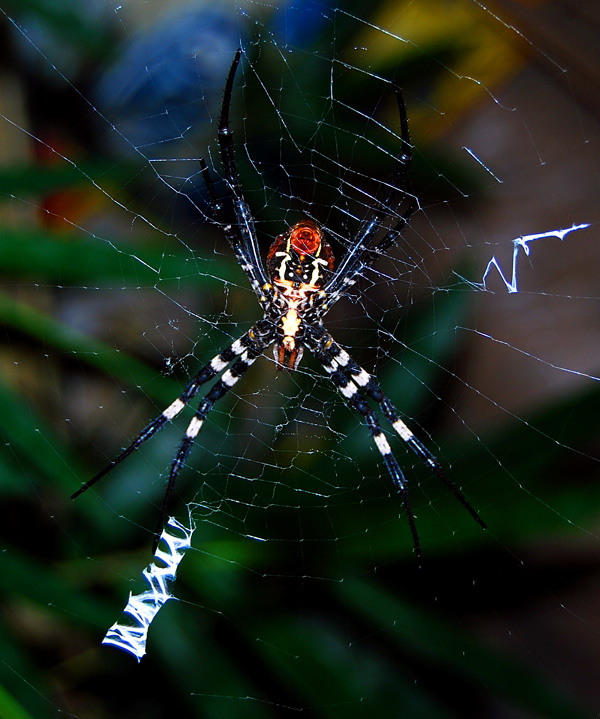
(131, 633)
(523, 242)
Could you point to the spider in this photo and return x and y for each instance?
(295, 292)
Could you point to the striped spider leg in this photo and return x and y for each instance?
(361, 254)
(354, 383)
(231, 363)
(243, 240)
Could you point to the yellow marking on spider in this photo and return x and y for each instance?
(290, 323)
(295, 293)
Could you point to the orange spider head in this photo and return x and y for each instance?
(306, 238)
(300, 256)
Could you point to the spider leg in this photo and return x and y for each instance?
(397, 179)
(370, 255)
(247, 252)
(217, 392)
(368, 384)
(246, 349)
(352, 261)
(389, 238)
(352, 380)
(351, 393)
(241, 255)
(390, 461)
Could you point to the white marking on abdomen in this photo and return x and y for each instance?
(290, 323)
(316, 273)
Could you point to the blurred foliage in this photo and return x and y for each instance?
(333, 618)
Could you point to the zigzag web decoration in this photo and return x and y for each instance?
(131, 632)
(524, 243)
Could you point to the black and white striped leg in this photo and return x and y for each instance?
(241, 348)
(390, 462)
(255, 275)
(252, 265)
(362, 255)
(352, 380)
(424, 454)
(372, 389)
(351, 393)
(359, 262)
(217, 391)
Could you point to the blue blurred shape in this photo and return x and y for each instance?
(300, 23)
(166, 85)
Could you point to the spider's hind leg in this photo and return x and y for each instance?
(217, 364)
(227, 380)
(353, 382)
(351, 393)
(372, 389)
(242, 352)
(421, 450)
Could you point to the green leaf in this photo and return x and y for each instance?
(10, 707)
(46, 257)
(450, 649)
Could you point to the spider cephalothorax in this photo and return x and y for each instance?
(296, 264)
(295, 292)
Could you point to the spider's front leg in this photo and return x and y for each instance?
(354, 383)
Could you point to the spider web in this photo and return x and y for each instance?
(300, 592)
